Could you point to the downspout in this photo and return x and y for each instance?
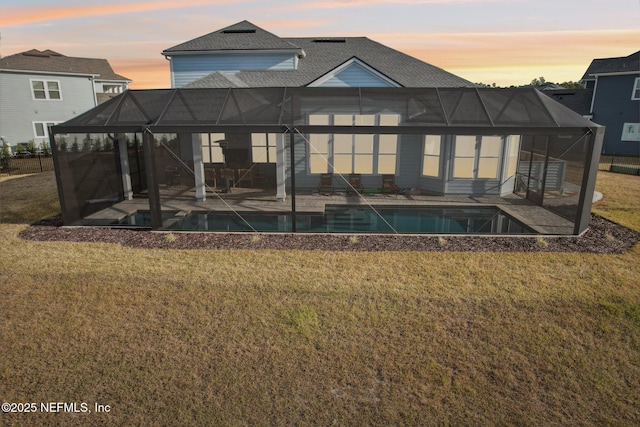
(93, 90)
(173, 79)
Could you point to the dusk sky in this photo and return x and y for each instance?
(502, 41)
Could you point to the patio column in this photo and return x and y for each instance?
(124, 166)
(281, 161)
(198, 168)
(155, 208)
(589, 175)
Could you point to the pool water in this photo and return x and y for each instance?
(356, 219)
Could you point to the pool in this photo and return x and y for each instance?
(363, 219)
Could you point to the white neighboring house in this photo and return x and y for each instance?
(39, 89)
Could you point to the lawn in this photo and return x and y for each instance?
(170, 337)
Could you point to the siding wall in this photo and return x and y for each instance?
(18, 109)
(355, 76)
(613, 108)
(188, 68)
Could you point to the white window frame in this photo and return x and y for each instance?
(477, 158)
(45, 126)
(266, 148)
(635, 93)
(45, 84)
(426, 155)
(213, 149)
(354, 120)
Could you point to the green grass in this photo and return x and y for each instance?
(169, 337)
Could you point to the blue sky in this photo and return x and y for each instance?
(501, 41)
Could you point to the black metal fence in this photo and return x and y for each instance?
(25, 165)
(620, 163)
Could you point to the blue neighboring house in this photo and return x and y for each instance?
(615, 83)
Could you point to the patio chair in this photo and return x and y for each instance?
(355, 184)
(326, 183)
(389, 185)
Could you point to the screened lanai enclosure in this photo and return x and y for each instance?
(329, 160)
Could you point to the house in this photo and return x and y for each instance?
(262, 133)
(577, 99)
(42, 88)
(245, 55)
(615, 83)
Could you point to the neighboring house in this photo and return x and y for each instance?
(41, 89)
(579, 100)
(616, 101)
(244, 55)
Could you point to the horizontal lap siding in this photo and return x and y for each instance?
(556, 171)
(18, 109)
(187, 69)
(473, 187)
(355, 76)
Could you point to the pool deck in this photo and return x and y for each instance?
(183, 202)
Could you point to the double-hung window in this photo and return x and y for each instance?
(431, 159)
(477, 157)
(41, 129)
(46, 89)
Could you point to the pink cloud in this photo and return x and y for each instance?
(25, 15)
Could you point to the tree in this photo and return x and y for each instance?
(539, 81)
(6, 151)
(44, 147)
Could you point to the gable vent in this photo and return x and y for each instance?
(329, 41)
(238, 31)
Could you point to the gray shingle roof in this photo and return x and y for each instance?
(241, 36)
(324, 55)
(579, 100)
(613, 65)
(50, 61)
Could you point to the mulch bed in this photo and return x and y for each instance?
(603, 237)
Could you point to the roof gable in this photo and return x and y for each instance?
(241, 36)
(54, 62)
(622, 64)
(353, 71)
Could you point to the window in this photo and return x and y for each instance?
(41, 129)
(477, 157)
(636, 89)
(353, 153)
(211, 150)
(387, 151)
(46, 89)
(431, 160)
(464, 159)
(263, 147)
(513, 150)
(319, 146)
(489, 160)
